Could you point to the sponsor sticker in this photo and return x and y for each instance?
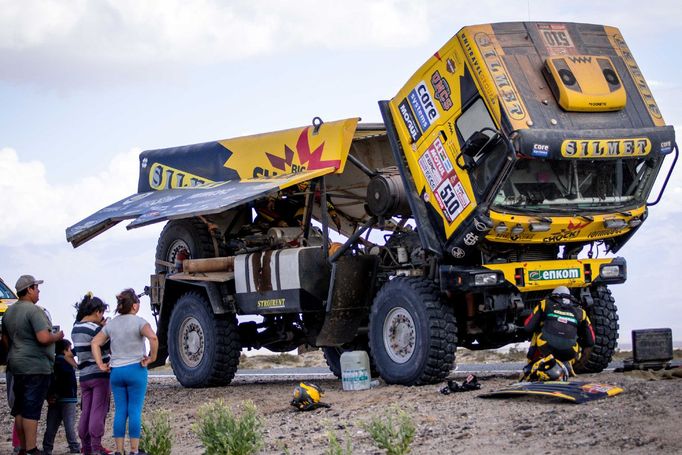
(430, 170)
(540, 150)
(451, 197)
(503, 82)
(441, 90)
(666, 147)
(163, 177)
(458, 252)
(577, 226)
(605, 148)
(470, 239)
(423, 105)
(271, 303)
(451, 66)
(435, 164)
(409, 120)
(554, 274)
(480, 225)
(557, 39)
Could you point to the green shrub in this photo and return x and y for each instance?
(224, 433)
(394, 439)
(157, 437)
(335, 447)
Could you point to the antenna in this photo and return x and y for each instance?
(528, 8)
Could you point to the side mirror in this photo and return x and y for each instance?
(477, 147)
(475, 144)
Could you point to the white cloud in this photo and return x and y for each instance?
(201, 30)
(77, 42)
(68, 44)
(37, 211)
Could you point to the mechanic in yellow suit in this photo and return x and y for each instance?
(560, 327)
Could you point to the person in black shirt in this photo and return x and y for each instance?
(62, 399)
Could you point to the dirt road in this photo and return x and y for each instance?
(646, 418)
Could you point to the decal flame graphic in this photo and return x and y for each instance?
(573, 227)
(305, 156)
(249, 162)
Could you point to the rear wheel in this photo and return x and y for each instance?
(190, 234)
(604, 318)
(412, 334)
(204, 348)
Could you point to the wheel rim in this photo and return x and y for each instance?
(191, 342)
(174, 249)
(399, 335)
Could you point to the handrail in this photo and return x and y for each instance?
(665, 183)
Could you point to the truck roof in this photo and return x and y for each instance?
(520, 64)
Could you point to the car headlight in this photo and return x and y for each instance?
(610, 271)
(485, 279)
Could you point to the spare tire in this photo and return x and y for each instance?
(190, 234)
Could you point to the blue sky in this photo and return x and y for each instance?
(87, 85)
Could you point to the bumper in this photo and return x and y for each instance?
(534, 275)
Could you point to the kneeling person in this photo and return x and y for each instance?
(559, 327)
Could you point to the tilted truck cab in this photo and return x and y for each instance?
(502, 164)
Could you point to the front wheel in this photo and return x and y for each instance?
(412, 333)
(332, 355)
(204, 348)
(604, 318)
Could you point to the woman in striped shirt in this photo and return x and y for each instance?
(95, 388)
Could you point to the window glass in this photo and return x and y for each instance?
(5, 292)
(571, 184)
(475, 118)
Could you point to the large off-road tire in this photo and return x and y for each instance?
(412, 334)
(604, 318)
(190, 234)
(204, 348)
(332, 355)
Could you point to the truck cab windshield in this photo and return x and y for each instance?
(594, 185)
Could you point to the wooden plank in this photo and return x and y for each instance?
(220, 277)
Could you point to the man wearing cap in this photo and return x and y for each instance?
(28, 332)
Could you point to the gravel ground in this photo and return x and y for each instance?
(646, 418)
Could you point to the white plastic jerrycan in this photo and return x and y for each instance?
(355, 371)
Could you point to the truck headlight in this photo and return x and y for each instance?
(539, 227)
(610, 271)
(614, 223)
(485, 279)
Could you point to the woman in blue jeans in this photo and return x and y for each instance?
(128, 366)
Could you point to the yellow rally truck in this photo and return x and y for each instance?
(504, 165)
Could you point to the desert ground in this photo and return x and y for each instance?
(645, 418)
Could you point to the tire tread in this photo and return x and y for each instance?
(226, 344)
(604, 317)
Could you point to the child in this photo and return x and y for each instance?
(62, 399)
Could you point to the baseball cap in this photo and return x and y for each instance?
(26, 281)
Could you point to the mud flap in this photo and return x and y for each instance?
(350, 293)
(574, 392)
